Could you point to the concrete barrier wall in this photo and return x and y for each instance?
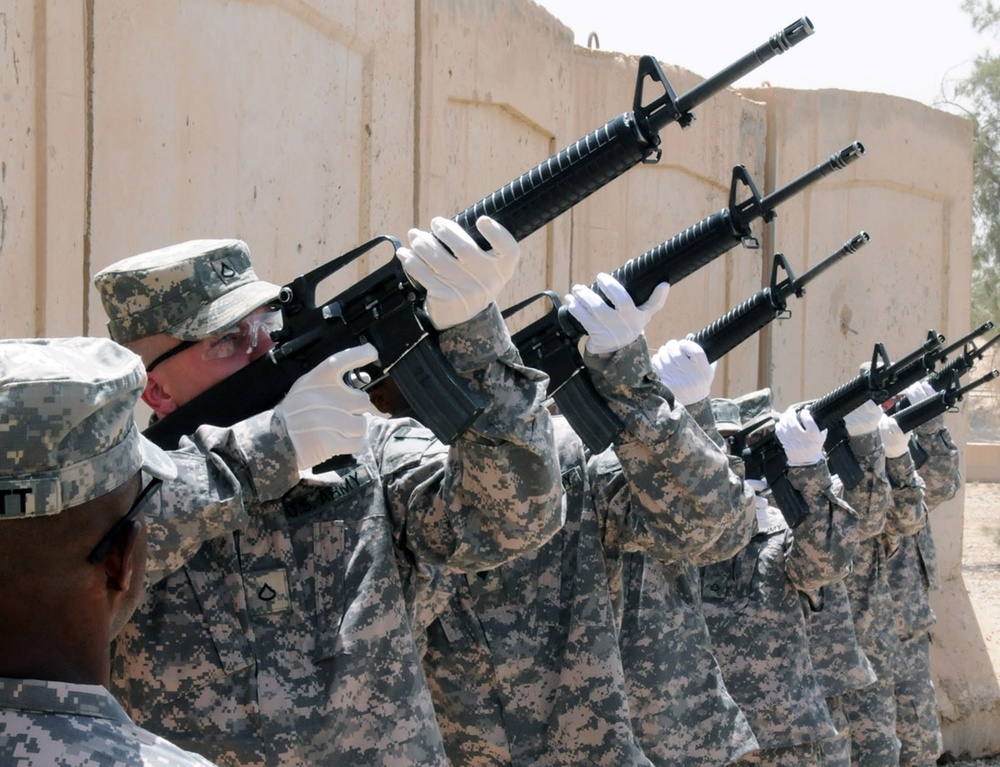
(306, 128)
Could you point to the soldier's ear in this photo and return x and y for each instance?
(157, 396)
(121, 564)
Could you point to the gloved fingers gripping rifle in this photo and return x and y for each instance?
(399, 328)
(549, 343)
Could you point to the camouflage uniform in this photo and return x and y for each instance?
(284, 638)
(912, 574)
(871, 710)
(77, 725)
(544, 685)
(753, 607)
(682, 712)
(70, 438)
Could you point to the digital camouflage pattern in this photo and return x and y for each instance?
(872, 709)
(534, 642)
(912, 573)
(191, 290)
(286, 640)
(69, 435)
(753, 608)
(77, 725)
(805, 755)
(682, 712)
(523, 662)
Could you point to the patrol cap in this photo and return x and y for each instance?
(189, 291)
(754, 404)
(70, 435)
(727, 414)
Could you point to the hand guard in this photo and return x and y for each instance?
(684, 368)
(864, 419)
(463, 282)
(323, 415)
(894, 440)
(800, 437)
(613, 327)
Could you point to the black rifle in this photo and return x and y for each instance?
(768, 304)
(909, 418)
(550, 343)
(384, 307)
(962, 364)
(765, 458)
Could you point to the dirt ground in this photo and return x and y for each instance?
(980, 563)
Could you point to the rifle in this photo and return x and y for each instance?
(764, 457)
(550, 343)
(768, 304)
(909, 418)
(963, 363)
(383, 308)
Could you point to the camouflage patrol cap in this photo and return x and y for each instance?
(69, 435)
(727, 414)
(189, 291)
(754, 404)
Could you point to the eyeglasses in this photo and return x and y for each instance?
(103, 547)
(240, 338)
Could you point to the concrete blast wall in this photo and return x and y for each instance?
(306, 128)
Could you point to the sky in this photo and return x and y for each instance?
(918, 49)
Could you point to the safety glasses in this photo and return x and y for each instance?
(103, 546)
(241, 338)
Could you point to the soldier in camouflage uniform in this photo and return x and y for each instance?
(523, 661)
(682, 713)
(281, 635)
(72, 478)
(912, 571)
(871, 710)
(752, 602)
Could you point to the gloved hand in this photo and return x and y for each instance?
(800, 437)
(612, 327)
(894, 440)
(459, 286)
(323, 415)
(863, 419)
(685, 369)
(919, 391)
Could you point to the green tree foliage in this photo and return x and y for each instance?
(981, 92)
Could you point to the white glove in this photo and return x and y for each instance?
(323, 415)
(611, 328)
(684, 367)
(459, 286)
(800, 437)
(894, 440)
(863, 419)
(919, 391)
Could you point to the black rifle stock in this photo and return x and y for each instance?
(768, 304)
(383, 308)
(550, 342)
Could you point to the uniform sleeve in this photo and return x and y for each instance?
(824, 544)
(221, 472)
(940, 470)
(908, 511)
(672, 490)
(871, 497)
(496, 492)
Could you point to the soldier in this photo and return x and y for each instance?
(871, 710)
(523, 661)
(682, 713)
(912, 570)
(72, 551)
(752, 602)
(282, 636)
